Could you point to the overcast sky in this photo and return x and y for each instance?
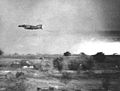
(68, 25)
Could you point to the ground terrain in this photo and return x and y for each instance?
(48, 77)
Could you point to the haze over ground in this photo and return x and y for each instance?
(68, 25)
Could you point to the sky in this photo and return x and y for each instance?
(88, 26)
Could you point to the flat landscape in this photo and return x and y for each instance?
(59, 73)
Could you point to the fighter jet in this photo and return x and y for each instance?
(31, 27)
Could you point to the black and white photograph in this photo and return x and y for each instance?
(59, 45)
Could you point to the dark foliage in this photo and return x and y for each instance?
(99, 57)
(37, 66)
(88, 65)
(19, 74)
(76, 65)
(58, 63)
(73, 65)
(67, 54)
(24, 63)
(1, 52)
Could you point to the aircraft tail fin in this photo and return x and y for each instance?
(40, 26)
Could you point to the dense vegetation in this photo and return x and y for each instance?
(1, 52)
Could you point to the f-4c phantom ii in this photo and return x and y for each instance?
(31, 27)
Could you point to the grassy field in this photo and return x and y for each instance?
(36, 78)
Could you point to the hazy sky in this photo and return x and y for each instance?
(68, 25)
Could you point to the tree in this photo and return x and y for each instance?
(73, 65)
(1, 52)
(76, 65)
(19, 74)
(99, 57)
(58, 63)
(67, 53)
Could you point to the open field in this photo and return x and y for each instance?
(47, 78)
